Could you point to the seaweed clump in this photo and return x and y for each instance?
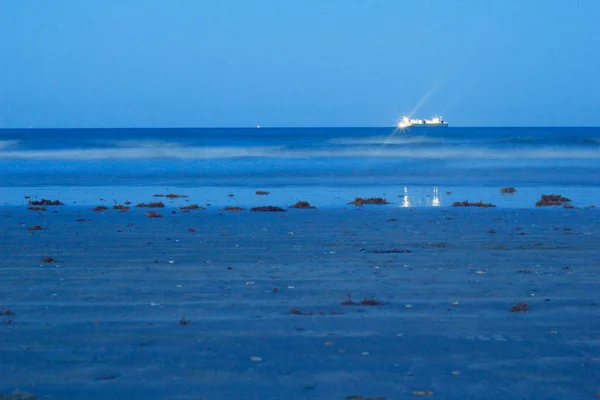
(268, 208)
(171, 196)
(233, 209)
(35, 228)
(153, 214)
(295, 311)
(261, 193)
(391, 251)
(372, 301)
(46, 202)
(467, 203)
(508, 190)
(552, 200)
(48, 260)
(349, 302)
(37, 208)
(157, 204)
(520, 307)
(100, 208)
(367, 301)
(359, 201)
(120, 207)
(302, 204)
(191, 207)
(7, 312)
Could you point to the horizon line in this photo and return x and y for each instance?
(291, 127)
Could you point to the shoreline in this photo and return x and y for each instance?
(399, 196)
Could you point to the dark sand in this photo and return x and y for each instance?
(103, 321)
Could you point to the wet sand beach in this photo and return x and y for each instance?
(229, 305)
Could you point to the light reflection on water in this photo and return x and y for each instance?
(435, 200)
(405, 201)
(427, 197)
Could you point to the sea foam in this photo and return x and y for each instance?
(225, 152)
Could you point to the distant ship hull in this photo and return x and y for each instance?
(435, 122)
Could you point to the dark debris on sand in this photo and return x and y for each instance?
(519, 307)
(45, 202)
(367, 301)
(302, 205)
(295, 311)
(552, 200)
(348, 301)
(467, 203)
(171, 196)
(359, 201)
(37, 208)
(372, 301)
(48, 260)
(261, 193)
(268, 208)
(191, 207)
(233, 209)
(158, 204)
(35, 228)
(7, 313)
(153, 214)
(390, 251)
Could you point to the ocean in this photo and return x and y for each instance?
(323, 158)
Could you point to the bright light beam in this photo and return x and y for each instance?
(423, 99)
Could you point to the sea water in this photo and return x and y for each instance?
(332, 161)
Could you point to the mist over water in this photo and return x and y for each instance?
(307, 156)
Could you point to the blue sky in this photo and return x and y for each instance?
(151, 63)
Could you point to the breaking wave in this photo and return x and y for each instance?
(399, 139)
(5, 144)
(146, 144)
(153, 151)
(391, 139)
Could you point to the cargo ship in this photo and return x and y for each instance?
(406, 122)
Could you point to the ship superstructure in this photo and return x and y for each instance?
(407, 122)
